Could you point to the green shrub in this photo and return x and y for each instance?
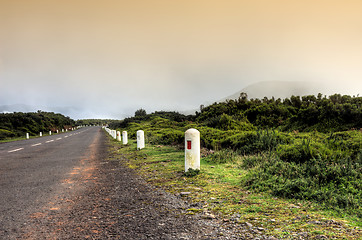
(6, 134)
(251, 161)
(166, 137)
(253, 142)
(191, 172)
(226, 122)
(302, 151)
(222, 156)
(334, 182)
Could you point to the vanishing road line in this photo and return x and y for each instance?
(15, 150)
(49, 141)
(36, 144)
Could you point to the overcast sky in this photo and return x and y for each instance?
(108, 58)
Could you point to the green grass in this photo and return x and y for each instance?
(219, 190)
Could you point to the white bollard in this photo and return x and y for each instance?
(119, 136)
(27, 135)
(57, 131)
(124, 137)
(50, 132)
(63, 130)
(114, 134)
(140, 139)
(40, 134)
(192, 149)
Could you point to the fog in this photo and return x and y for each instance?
(106, 59)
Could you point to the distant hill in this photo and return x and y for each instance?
(278, 89)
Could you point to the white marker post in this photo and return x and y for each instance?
(119, 136)
(140, 139)
(192, 149)
(27, 135)
(124, 137)
(63, 130)
(40, 134)
(50, 132)
(114, 134)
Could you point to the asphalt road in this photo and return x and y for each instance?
(33, 171)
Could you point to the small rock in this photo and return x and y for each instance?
(322, 237)
(314, 222)
(184, 193)
(212, 166)
(260, 229)
(249, 225)
(294, 206)
(209, 216)
(303, 234)
(272, 238)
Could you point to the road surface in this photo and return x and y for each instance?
(33, 171)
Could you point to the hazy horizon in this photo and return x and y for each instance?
(106, 59)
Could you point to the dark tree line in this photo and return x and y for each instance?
(141, 115)
(95, 122)
(18, 123)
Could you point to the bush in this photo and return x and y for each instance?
(6, 134)
(191, 172)
(226, 122)
(302, 151)
(334, 182)
(166, 137)
(222, 156)
(251, 161)
(253, 142)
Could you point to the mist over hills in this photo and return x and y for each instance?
(276, 89)
(280, 89)
(68, 111)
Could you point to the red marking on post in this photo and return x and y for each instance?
(188, 144)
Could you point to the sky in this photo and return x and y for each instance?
(108, 58)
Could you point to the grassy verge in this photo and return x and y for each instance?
(12, 139)
(217, 189)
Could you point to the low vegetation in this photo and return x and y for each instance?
(304, 148)
(216, 191)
